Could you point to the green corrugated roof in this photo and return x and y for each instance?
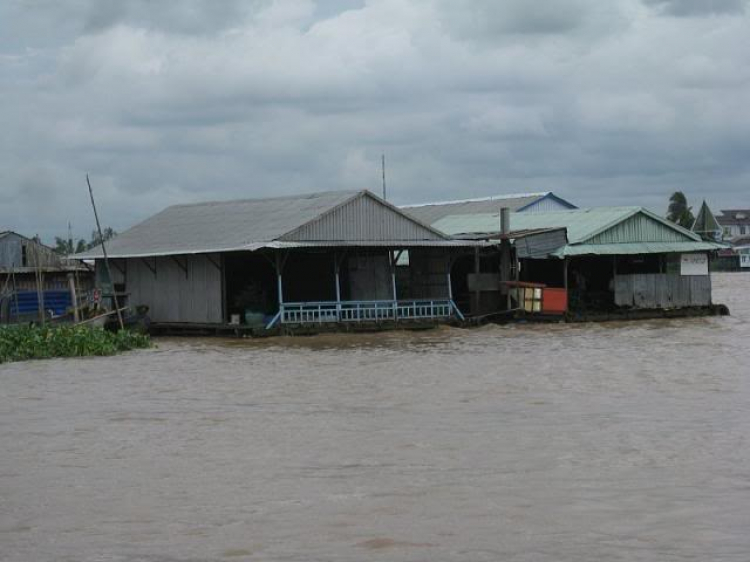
(705, 222)
(632, 249)
(603, 230)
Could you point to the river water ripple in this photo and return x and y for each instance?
(622, 441)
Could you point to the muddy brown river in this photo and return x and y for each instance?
(599, 442)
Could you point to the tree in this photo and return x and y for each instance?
(679, 212)
(63, 246)
(107, 234)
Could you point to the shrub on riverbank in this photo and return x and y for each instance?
(18, 343)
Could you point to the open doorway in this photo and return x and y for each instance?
(250, 287)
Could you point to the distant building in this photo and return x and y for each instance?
(734, 223)
(19, 252)
(741, 246)
(546, 201)
(28, 267)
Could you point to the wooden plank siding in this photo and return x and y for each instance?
(662, 290)
(428, 269)
(171, 294)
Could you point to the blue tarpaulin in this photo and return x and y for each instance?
(27, 302)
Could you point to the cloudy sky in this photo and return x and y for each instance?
(605, 102)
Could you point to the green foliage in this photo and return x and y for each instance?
(62, 246)
(679, 212)
(66, 247)
(19, 343)
(96, 240)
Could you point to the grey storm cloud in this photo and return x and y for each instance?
(615, 102)
(699, 7)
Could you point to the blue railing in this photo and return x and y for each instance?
(364, 311)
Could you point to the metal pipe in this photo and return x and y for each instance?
(338, 286)
(565, 281)
(504, 221)
(393, 259)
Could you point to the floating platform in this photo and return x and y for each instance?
(244, 330)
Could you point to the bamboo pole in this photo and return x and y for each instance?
(73, 296)
(104, 252)
(39, 287)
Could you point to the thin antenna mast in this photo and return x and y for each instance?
(383, 167)
(106, 259)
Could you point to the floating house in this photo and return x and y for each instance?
(286, 261)
(32, 273)
(603, 259)
(546, 201)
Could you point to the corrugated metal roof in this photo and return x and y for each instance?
(604, 230)
(430, 213)
(252, 224)
(581, 224)
(220, 226)
(636, 248)
(705, 222)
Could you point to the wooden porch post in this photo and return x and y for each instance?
(73, 297)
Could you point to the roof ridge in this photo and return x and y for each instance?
(499, 197)
(311, 194)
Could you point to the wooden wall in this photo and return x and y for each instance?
(662, 290)
(428, 268)
(171, 293)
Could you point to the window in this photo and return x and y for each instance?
(24, 256)
(743, 230)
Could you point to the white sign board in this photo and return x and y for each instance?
(745, 257)
(694, 264)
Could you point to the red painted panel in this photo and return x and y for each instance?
(554, 301)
